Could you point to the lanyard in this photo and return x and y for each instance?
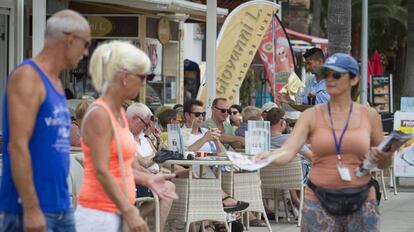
(338, 144)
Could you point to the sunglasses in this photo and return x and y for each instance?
(335, 75)
(198, 114)
(223, 111)
(86, 44)
(146, 125)
(234, 112)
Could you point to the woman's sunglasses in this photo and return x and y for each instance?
(234, 112)
(222, 110)
(335, 75)
(198, 114)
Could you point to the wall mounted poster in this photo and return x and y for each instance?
(381, 93)
(404, 158)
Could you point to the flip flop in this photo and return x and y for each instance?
(257, 223)
(240, 205)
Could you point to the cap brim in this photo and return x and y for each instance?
(334, 68)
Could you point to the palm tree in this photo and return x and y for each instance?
(408, 89)
(339, 26)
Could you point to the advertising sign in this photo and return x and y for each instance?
(381, 93)
(404, 158)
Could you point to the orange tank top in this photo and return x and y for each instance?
(92, 195)
(355, 144)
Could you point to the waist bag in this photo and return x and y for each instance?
(341, 201)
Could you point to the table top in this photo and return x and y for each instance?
(199, 162)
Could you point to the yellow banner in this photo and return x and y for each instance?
(241, 37)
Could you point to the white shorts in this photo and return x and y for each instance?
(88, 219)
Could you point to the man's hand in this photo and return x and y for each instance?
(34, 220)
(161, 185)
(212, 134)
(134, 221)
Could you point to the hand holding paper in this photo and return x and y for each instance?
(252, 163)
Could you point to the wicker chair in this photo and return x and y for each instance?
(199, 199)
(246, 186)
(287, 177)
(75, 180)
(140, 200)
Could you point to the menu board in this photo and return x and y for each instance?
(381, 93)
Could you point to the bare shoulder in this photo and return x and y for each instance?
(309, 114)
(372, 113)
(96, 123)
(25, 82)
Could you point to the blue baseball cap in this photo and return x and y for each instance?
(341, 62)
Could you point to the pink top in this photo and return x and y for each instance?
(92, 195)
(355, 144)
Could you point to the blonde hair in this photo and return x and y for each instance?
(81, 110)
(250, 113)
(110, 58)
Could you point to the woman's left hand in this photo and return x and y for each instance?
(382, 158)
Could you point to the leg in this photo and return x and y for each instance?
(11, 222)
(165, 207)
(315, 218)
(61, 222)
(366, 219)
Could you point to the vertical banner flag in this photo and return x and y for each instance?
(237, 45)
(277, 55)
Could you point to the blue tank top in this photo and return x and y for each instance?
(49, 150)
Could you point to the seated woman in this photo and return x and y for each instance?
(75, 127)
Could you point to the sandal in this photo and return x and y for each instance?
(240, 205)
(257, 223)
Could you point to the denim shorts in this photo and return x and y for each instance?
(55, 222)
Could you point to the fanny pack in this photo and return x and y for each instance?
(341, 201)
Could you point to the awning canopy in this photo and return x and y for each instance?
(308, 38)
(194, 10)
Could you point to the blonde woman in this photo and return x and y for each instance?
(118, 73)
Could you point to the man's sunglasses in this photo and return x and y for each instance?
(85, 41)
(198, 114)
(146, 125)
(223, 111)
(335, 75)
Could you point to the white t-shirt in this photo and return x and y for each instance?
(144, 148)
(190, 139)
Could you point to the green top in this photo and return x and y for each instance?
(228, 129)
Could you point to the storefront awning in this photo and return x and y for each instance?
(162, 6)
(308, 38)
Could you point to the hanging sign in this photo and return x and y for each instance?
(164, 30)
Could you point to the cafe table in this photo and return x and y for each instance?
(199, 199)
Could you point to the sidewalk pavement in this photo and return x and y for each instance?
(396, 212)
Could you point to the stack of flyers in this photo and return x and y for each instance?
(175, 138)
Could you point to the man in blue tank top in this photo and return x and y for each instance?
(34, 192)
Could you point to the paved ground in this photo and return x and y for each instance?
(397, 213)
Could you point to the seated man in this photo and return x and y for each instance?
(207, 140)
(139, 117)
(250, 113)
(219, 114)
(266, 107)
(277, 127)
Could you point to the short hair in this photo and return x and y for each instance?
(274, 115)
(65, 21)
(238, 107)
(166, 116)
(161, 109)
(139, 109)
(250, 112)
(219, 99)
(110, 58)
(81, 110)
(314, 54)
(188, 105)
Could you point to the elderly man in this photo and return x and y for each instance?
(34, 193)
(139, 118)
(250, 113)
(219, 115)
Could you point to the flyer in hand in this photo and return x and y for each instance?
(249, 163)
(396, 138)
